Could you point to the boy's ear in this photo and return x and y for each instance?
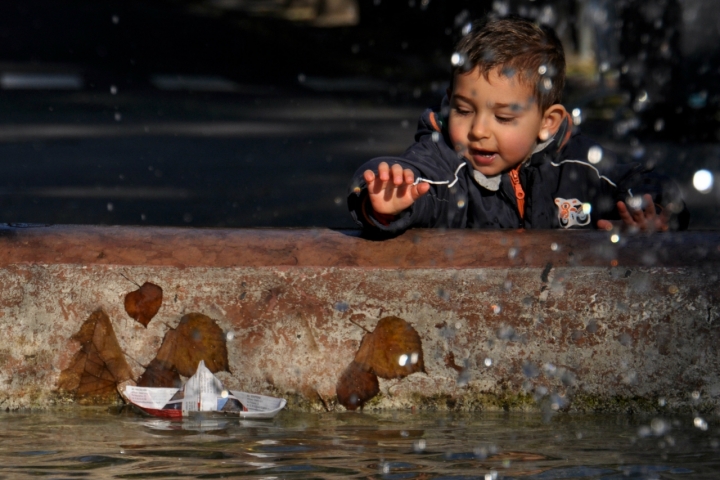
(552, 118)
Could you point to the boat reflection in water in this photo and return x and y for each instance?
(399, 445)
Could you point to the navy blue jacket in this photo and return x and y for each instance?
(562, 187)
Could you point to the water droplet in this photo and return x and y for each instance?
(595, 154)
(703, 181)
(458, 59)
(414, 357)
(530, 370)
(461, 203)
(635, 203)
(496, 309)
(698, 100)
(695, 395)
(115, 19)
(512, 253)
(672, 290)
(629, 378)
(554, 247)
(301, 77)
(230, 335)
(419, 445)
(110, 207)
(659, 125)
(467, 28)
(224, 394)
(501, 7)
(662, 402)
(491, 476)
(700, 423)
(587, 208)
(577, 116)
(488, 362)
(402, 360)
(614, 238)
(118, 116)
(659, 426)
(338, 200)
(546, 84)
(542, 70)
(113, 90)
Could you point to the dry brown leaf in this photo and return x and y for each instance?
(159, 375)
(161, 372)
(197, 337)
(356, 386)
(144, 303)
(99, 366)
(392, 350)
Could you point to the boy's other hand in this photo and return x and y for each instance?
(643, 219)
(391, 191)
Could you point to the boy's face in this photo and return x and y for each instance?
(495, 122)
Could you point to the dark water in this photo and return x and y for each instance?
(93, 443)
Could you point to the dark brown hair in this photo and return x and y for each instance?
(517, 46)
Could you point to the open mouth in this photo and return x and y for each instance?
(482, 157)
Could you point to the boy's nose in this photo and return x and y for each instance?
(479, 129)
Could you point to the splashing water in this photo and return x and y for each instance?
(703, 181)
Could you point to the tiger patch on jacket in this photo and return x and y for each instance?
(571, 212)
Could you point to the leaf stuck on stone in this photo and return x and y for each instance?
(99, 366)
(143, 304)
(356, 386)
(392, 350)
(197, 337)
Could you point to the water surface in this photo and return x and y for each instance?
(96, 443)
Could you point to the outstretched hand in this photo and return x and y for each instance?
(391, 191)
(643, 219)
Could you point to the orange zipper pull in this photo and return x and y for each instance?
(519, 192)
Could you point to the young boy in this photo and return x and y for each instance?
(501, 153)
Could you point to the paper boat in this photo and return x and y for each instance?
(203, 392)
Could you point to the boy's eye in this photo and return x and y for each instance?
(502, 119)
(462, 111)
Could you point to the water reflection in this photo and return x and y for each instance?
(437, 445)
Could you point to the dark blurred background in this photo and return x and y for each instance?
(242, 113)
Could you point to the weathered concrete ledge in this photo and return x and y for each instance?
(507, 319)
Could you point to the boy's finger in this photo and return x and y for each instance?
(605, 225)
(419, 190)
(625, 214)
(397, 174)
(639, 217)
(383, 172)
(649, 206)
(369, 176)
(409, 176)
